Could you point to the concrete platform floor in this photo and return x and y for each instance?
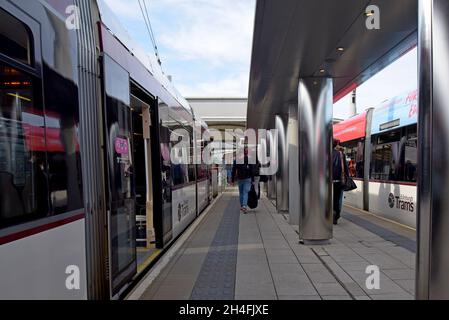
(257, 256)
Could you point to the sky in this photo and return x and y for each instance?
(205, 45)
(399, 77)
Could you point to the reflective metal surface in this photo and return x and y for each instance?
(271, 185)
(293, 165)
(433, 133)
(315, 170)
(282, 172)
(91, 137)
(367, 161)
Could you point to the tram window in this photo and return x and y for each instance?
(180, 170)
(15, 38)
(411, 155)
(354, 151)
(23, 166)
(191, 165)
(394, 156)
(387, 137)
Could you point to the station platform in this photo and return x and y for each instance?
(227, 255)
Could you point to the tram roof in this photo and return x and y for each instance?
(297, 38)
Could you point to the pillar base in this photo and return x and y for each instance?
(315, 242)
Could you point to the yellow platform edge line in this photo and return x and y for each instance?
(148, 260)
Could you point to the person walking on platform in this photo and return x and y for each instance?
(244, 172)
(339, 176)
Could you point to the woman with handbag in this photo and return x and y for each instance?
(340, 178)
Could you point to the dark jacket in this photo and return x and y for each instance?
(243, 171)
(337, 167)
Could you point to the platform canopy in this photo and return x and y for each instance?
(300, 38)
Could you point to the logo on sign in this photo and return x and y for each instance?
(401, 202)
(121, 146)
(391, 200)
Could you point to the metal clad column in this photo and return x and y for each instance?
(315, 146)
(367, 159)
(293, 154)
(282, 172)
(272, 146)
(433, 158)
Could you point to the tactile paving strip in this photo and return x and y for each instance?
(386, 234)
(216, 280)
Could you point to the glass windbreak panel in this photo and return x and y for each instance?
(23, 166)
(354, 151)
(15, 38)
(120, 169)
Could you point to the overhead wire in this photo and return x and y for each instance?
(146, 18)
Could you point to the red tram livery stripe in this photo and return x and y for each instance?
(39, 229)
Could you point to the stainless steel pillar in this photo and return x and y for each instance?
(315, 145)
(272, 147)
(433, 133)
(282, 172)
(293, 165)
(367, 159)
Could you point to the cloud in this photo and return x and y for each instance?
(234, 86)
(395, 79)
(125, 9)
(215, 31)
(205, 44)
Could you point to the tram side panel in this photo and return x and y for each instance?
(184, 209)
(203, 198)
(42, 266)
(394, 201)
(202, 171)
(355, 198)
(393, 167)
(42, 225)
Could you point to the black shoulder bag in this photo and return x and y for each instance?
(347, 183)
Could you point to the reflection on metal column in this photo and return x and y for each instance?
(272, 147)
(315, 145)
(367, 159)
(433, 133)
(282, 172)
(293, 173)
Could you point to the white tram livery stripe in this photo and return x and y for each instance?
(354, 198)
(394, 201)
(183, 208)
(34, 268)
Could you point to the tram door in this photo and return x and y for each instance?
(143, 177)
(120, 174)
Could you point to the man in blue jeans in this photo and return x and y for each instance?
(244, 172)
